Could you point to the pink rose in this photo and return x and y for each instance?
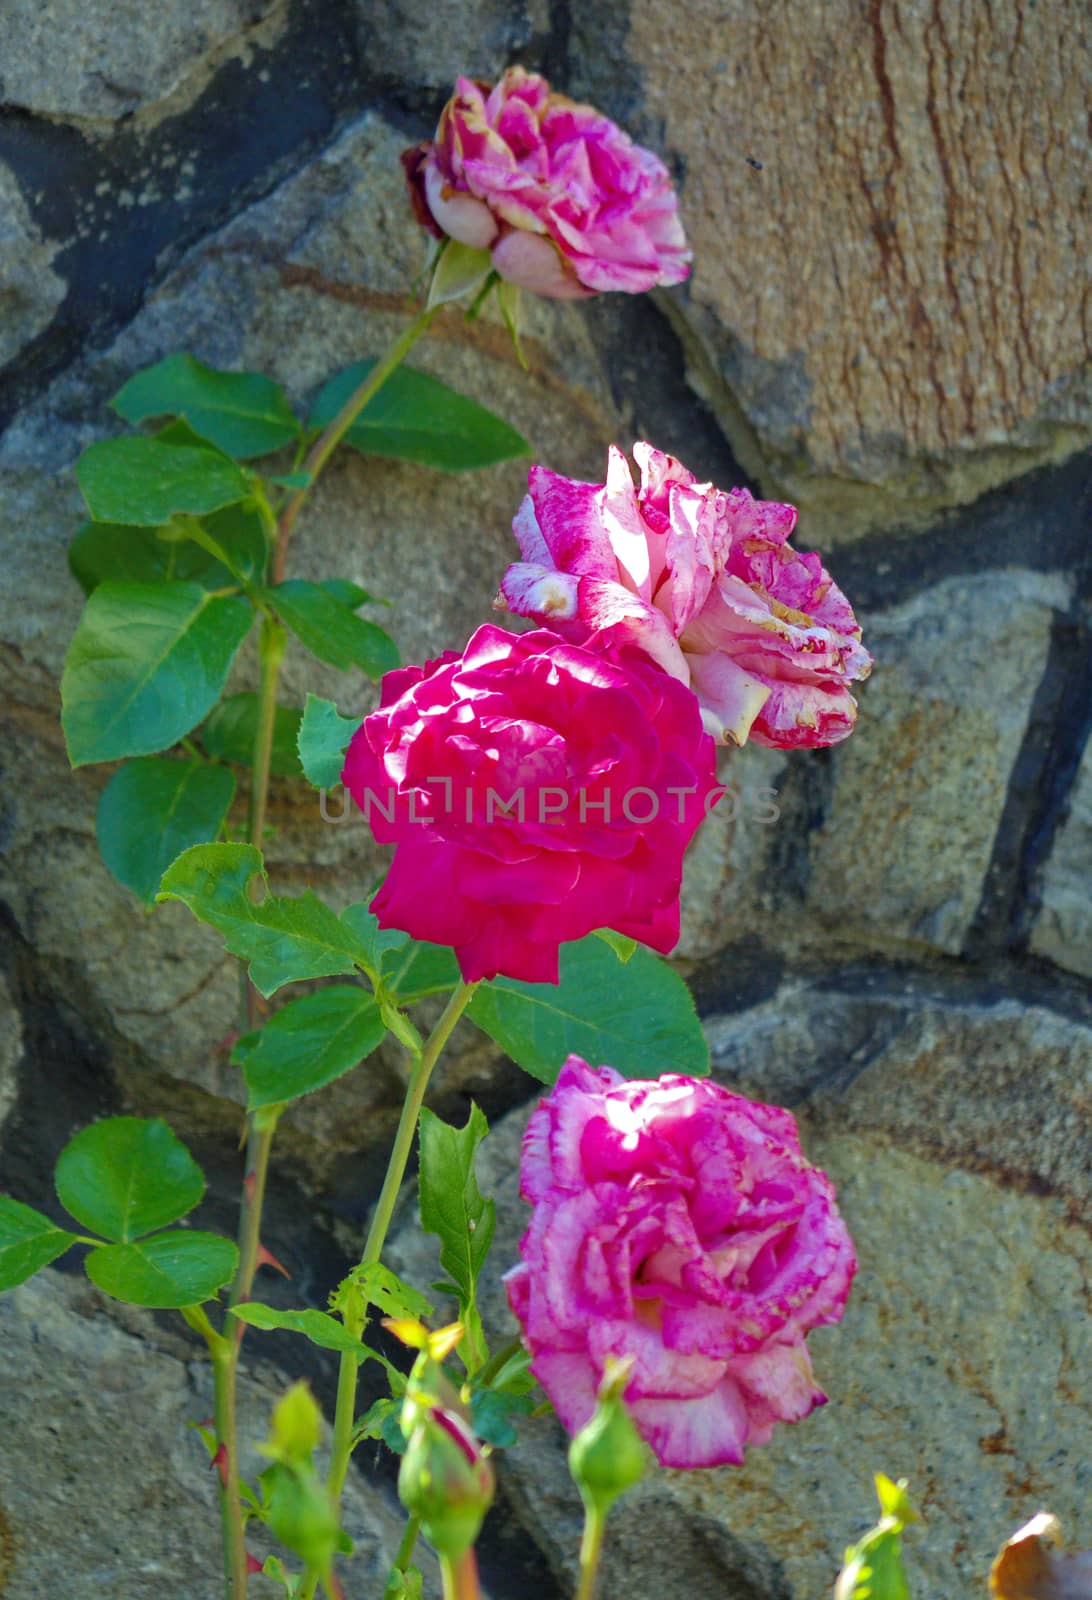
(534, 791)
(680, 1225)
(706, 583)
(565, 201)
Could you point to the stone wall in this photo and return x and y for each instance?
(887, 323)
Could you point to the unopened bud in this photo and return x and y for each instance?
(608, 1455)
(446, 1481)
(301, 1514)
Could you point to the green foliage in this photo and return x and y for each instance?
(105, 551)
(166, 1271)
(284, 940)
(127, 1176)
(147, 663)
(145, 482)
(232, 726)
(417, 418)
(331, 630)
(491, 1412)
(309, 1043)
(373, 1284)
(323, 740)
(454, 1209)
(28, 1242)
(318, 1326)
(153, 809)
(242, 413)
(623, 946)
(638, 1018)
(873, 1568)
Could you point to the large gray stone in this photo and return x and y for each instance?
(89, 62)
(1063, 928)
(107, 1489)
(994, 1086)
(11, 1049)
(919, 790)
(30, 290)
(958, 1365)
(432, 46)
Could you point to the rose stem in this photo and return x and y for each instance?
(460, 1577)
(331, 436)
(345, 1410)
(591, 1546)
(260, 1129)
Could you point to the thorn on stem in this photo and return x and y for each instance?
(266, 1258)
(220, 1462)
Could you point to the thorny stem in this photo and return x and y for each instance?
(345, 1411)
(261, 1126)
(332, 435)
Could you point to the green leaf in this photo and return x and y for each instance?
(417, 418)
(318, 1326)
(491, 1413)
(144, 483)
(873, 1568)
(126, 1176)
(310, 1042)
(28, 1242)
(232, 726)
(152, 810)
(239, 532)
(638, 1018)
(242, 413)
(323, 740)
(108, 550)
(413, 970)
(376, 1285)
(331, 631)
(620, 943)
(284, 940)
(350, 594)
(147, 663)
(165, 1272)
(454, 1209)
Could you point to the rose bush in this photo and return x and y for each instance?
(565, 202)
(535, 791)
(680, 1225)
(706, 583)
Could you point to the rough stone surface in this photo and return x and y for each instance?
(903, 301)
(885, 320)
(86, 63)
(958, 1365)
(11, 1049)
(999, 1086)
(93, 1394)
(1063, 929)
(30, 290)
(915, 804)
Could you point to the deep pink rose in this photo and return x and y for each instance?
(706, 583)
(565, 201)
(680, 1225)
(535, 791)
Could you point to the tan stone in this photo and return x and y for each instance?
(898, 297)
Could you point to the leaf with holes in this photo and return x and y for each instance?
(323, 740)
